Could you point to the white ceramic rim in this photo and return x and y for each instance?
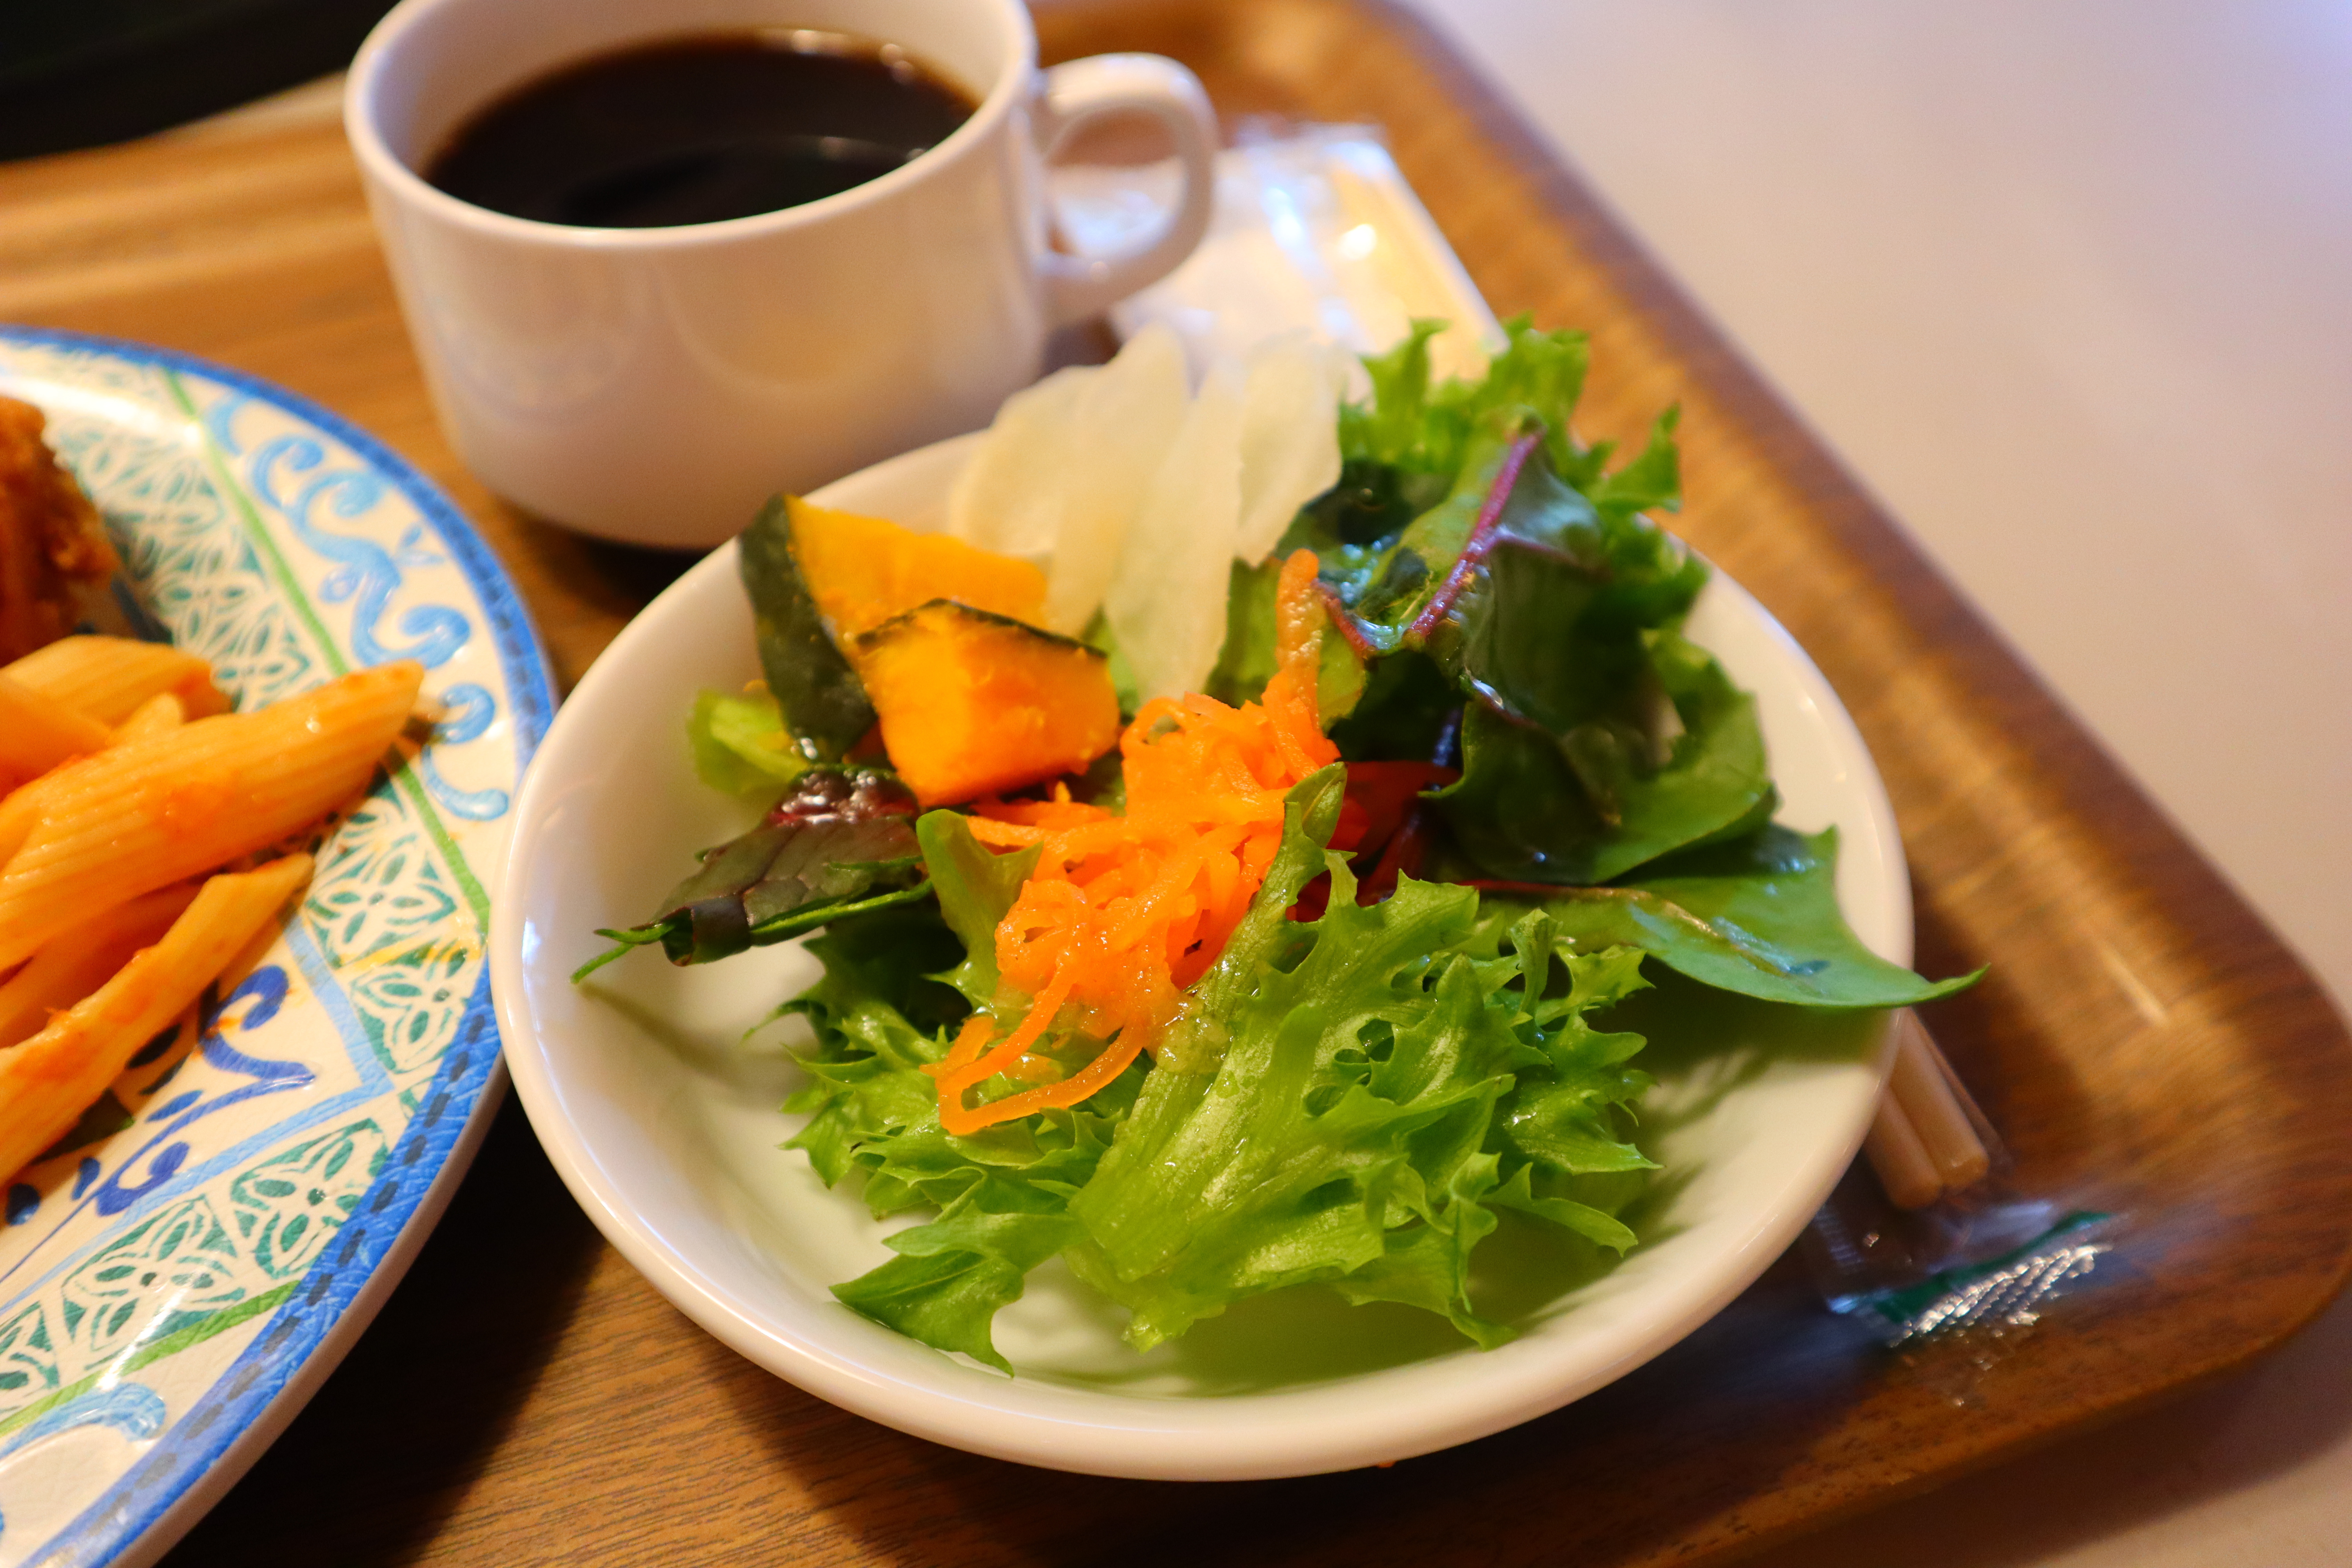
(1310, 1430)
(366, 81)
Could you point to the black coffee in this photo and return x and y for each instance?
(697, 129)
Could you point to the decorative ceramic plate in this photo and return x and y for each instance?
(179, 1275)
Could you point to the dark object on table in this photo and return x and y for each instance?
(92, 71)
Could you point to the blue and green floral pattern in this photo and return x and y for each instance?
(167, 1277)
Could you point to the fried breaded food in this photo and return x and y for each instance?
(50, 536)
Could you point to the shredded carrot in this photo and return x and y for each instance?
(1004, 1058)
(1005, 835)
(1123, 913)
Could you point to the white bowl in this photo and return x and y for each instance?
(663, 1118)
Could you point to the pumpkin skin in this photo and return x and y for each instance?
(973, 703)
(861, 571)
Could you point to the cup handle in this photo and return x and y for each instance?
(1077, 91)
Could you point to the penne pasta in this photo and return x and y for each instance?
(37, 732)
(79, 960)
(19, 809)
(105, 829)
(107, 678)
(162, 711)
(47, 1081)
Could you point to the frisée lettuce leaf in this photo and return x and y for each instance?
(1373, 1104)
(1348, 1100)
(897, 983)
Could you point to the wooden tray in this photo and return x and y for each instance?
(2147, 1046)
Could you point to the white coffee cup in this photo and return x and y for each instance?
(656, 384)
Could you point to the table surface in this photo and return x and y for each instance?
(174, 256)
(2063, 283)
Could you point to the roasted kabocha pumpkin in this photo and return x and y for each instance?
(973, 703)
(861, 571)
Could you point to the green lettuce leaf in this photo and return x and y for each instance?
(1349, 1101)
(1596, 737)
(1246, 662)
(1002, 1194)
(878, 1013)
(1099, 637)
(1592, 802)
(1554, 1132)
(953, 1275)
(1329, 1108)
(1651, 482)
(1550, 627)
(1601, 738)
(895, 986)
(1249, 657)
(1372, 502)
(1419, 463)
(1537, 601)
(976, 886)
(1416, 427)
(1384, 586)
(741, 745)
(1758, 915)
(1408, 708)
(881, 1013)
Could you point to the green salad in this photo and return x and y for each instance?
(1228, 844)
